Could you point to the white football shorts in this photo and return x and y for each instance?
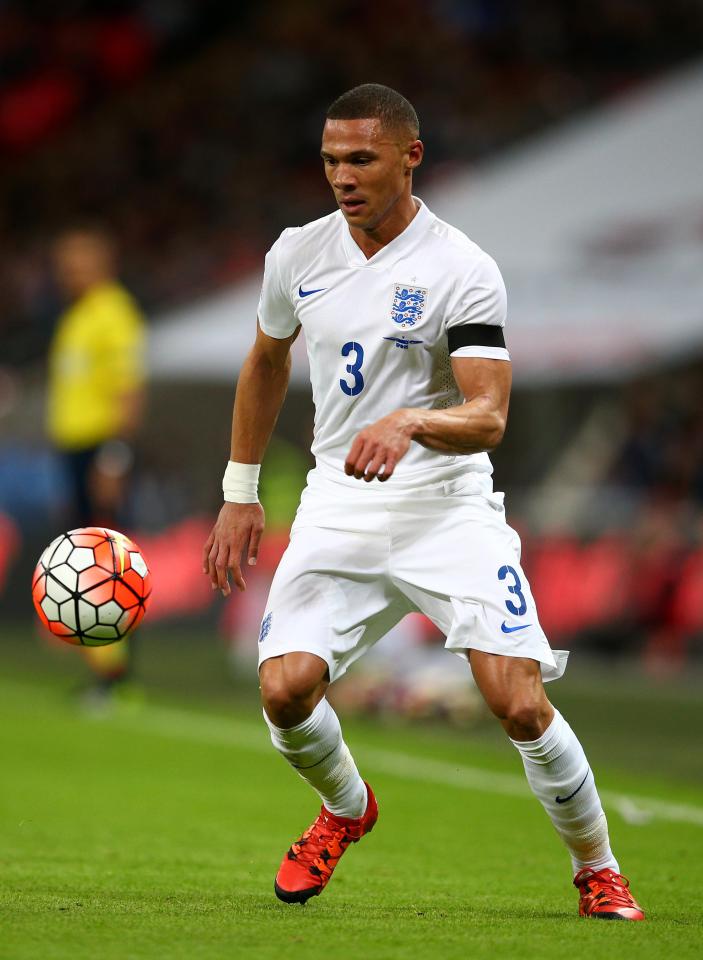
(363, 555)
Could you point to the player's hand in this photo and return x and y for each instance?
(237, 532)
(377, 448)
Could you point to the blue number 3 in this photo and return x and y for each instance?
(515, 589)
(353, 368)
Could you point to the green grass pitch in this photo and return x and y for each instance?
(156, 833)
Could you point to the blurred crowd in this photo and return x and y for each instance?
(192, 128)
(661, 456)
(622, 571)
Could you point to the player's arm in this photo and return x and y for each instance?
(132, 404)
(122, 373)
(123, 332)
(261, 390)
(477, 425)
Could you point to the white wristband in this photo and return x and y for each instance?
(240, 483)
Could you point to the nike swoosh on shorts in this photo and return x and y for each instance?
(507, 629)
(309, 293)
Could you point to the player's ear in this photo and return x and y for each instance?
(415, 153)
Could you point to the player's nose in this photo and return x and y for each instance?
(343, 178)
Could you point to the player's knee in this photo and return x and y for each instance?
(276, 696)
(290, 691)
(526, 717)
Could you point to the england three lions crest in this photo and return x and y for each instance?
(408, 304)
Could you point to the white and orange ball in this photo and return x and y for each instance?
(91, 586)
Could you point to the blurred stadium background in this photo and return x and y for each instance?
(567, 140)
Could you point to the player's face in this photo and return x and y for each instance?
(368, 168)
(81, 261)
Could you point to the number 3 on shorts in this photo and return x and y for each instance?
(513, 588)
(353, 368)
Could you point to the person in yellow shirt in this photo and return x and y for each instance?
(95, 396)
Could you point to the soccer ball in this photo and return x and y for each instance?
(91, 586)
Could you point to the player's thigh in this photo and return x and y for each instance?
(330, 597)
(461, 567)
(77, 466)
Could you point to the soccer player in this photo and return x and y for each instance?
(95, 399)
(403, 318)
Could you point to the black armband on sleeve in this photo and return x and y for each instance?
(475, 335)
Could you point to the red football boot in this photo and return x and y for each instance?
(308, 865)
(605, 895)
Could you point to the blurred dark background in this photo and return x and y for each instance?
(191, 130)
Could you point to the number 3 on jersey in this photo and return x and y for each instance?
(354, 369)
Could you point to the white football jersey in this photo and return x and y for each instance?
(380, 331)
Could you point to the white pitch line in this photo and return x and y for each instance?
(201, 728)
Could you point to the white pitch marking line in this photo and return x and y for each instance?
(182, 724)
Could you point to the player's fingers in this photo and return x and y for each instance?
(206, 551)
(234, 563)
(212, 559)
(363, 460)
(374, 466)
(388, 468)
(254, 540)
(353, 455)
(222, 566)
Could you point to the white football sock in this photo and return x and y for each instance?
(558, 772)
(317, 751)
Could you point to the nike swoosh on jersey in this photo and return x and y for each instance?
(403, 344)
(309, 293)
(564, 799)
(506, 629)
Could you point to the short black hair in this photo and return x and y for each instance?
(374, 100)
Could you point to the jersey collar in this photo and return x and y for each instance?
(392, 250)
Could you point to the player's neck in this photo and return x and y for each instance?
(87, 288)
(391, 226)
